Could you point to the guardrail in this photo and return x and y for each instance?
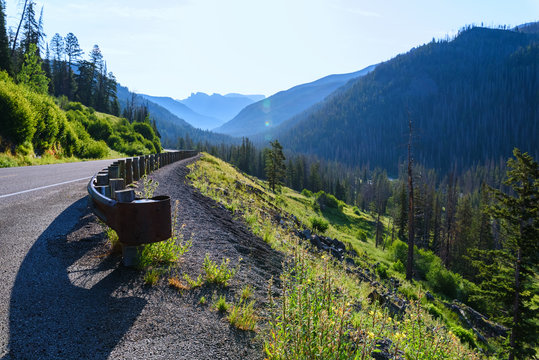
(136, 221)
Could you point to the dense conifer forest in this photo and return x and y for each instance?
(471, 99)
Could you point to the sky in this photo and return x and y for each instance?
(178, 47)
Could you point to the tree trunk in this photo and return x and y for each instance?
(18, 28)
(410, 260)
(512, 341)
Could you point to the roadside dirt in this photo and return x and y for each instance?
(116, 316)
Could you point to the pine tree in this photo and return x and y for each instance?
(275, 168)
(519, 213)
(31, 74)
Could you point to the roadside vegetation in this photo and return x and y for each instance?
(38, 129)
(325, 309)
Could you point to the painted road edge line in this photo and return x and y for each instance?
(44, 187)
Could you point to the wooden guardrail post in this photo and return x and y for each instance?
(115, 185)
(121, 166)
(128, 171)
(152, 163)
(114, 172)
(136, 173)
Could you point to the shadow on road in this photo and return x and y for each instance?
(52, 318)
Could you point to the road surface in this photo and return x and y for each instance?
(31, 198)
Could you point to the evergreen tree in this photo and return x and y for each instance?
(73, 53)
(31, 74)
(275, 168)
(519, 214)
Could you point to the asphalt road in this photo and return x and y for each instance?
(31, 198)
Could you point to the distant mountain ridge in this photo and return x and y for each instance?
(266, 114)
(184, 112)
(170, 125)
(220, 107)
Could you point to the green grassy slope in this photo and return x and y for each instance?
(326, 309)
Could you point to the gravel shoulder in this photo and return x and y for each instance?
(72, 299)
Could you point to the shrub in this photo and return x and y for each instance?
(100, 130)
(306, 193)
(94, 149)
(356, 210)
(425, 260)
(361, 235)
(400, 251)
(327, 201)
(398, 266)
(381, 270)
(434, 311)
(319, 224)
(18, 120)
(144, 129)
(443, 281)
(464, 335)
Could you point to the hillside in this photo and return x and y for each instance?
(470, 100)
(170, 126)
(37, 128)
(340, 258)
(220, 107)
(266, 114)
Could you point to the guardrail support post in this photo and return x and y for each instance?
(102, 179)
(136, 173)
(121, 166)
(115, 185)
(130, 253)
(114, 172)
(128, 171)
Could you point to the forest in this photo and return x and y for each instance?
(471, 100)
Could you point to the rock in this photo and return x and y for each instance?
(429, 296)
(315, 241)
(349, 261)
(339, 244)
(382, 350)
(352, 252)
(306, 234)
(336, 254)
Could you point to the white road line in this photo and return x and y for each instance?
(44, 187)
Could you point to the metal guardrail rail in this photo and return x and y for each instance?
(136, 221)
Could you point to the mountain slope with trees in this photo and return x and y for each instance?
(471, 100)
(266, 114)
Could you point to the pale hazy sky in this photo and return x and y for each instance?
(173, 48)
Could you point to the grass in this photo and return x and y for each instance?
(114, 241)
(242, 315)
(324, 311)
(151, 277)
(220, 304)
(218, 274)
(194, 283)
